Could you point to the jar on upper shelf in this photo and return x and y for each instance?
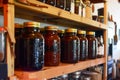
(33, 47)
(71, 46)
(51, 2)
(92, 45)
(52, 46)
(60, 4)
(83, 45)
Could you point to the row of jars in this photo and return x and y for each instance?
(34, 49)
(82, 8)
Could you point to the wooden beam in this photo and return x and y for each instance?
(9, 25)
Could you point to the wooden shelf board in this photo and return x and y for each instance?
(55, 15)
(97, 1)
(50, 72)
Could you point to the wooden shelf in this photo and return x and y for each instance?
(55, 15)
(49, 72)
(97, 1)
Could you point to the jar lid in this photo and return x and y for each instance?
(71, 30)
(61, 31)
(17, 25)
(51, 28)
(31, 24)
(2, 29)
(90, 33)
(81, 32)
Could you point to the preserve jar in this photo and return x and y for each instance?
(2, 44)
(33, 46)
(83, 45)
(68, 5)
(77, 4)
(51, 2)
(60, 3)
(18, 45)
(76, 76)
(52, 46)
(92, 45)
(71, 46)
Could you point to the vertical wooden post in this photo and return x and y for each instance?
(105, 39)
(9, 24)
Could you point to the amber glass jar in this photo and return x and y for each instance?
(83, 45)
(92, 45)
(51, 2)
(33, 46)
(18, 45)
(77, 4)
(71, 46)
(52, 46)
(68, 5)
(60, 3)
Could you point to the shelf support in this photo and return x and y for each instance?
(9, 25)
(105, 39)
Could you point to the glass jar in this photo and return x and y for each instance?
(68, 5)
(60, 3)
(2, 44)
(71, 46)
(18, 45)
(77, 4)
(52, 46)
(51, 2)
(92, 45)
(33, 46)
(83, 45)
(75, 76)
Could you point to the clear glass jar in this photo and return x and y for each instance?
(83, 45)
(71, 46)
(52, 46)
(33, 47)
(2, 44)
(92, 45)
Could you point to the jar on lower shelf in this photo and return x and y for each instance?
(92, 45)
(71, 46)
(52, 46)
(33, 47)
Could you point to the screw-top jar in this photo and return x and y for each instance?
(83, 45)
(51, 2)
(71, 46)
(60, 3)
(18, 45)
(52, 46)
(33, 46)
(92, 45)
(2, 44)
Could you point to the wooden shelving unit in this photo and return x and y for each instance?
(45, 13)
(50, 72)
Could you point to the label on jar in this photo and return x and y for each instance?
(83, 49)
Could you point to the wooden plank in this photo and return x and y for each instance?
(59, 13)
(50, 72)
(9, 24)
(105, 40)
